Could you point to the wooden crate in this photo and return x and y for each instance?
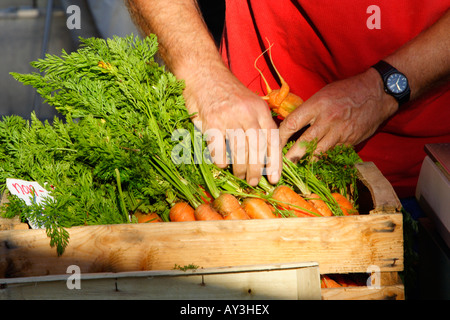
(350, 244)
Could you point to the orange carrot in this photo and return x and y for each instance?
(281, 101)
(295, 202)
(345, 204)
(258, 209)
(229, 207)
(320, 205)
(206, 196)
(206, 212)
(181, 211)
(147, 217)
(289, 102)
(327, 282)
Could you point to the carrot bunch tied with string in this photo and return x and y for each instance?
(281, 101)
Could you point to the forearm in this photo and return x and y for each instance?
(425, 60)
(185, 43)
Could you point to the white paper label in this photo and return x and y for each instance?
(29, 191)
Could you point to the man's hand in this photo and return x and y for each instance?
(344, 112)
(229, 112)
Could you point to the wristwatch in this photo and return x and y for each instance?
(395, 83)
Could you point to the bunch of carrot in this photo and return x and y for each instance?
(225, 207)
(223, 196)
(282, 202)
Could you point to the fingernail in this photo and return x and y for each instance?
(253, 182)
(274, 177)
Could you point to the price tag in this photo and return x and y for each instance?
(29, 191)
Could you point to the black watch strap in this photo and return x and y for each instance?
(385, 70)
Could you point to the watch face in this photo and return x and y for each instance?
(397, 83)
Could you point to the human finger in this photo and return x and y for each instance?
(298, 149)
(327, 142)
(217, 147)
(257, 151)
(239, 151)
(293, 123)
(274, 162)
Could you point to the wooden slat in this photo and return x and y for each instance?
(393, 292)
(338, 244)
(290, 281)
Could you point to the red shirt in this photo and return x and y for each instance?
(321, 41)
